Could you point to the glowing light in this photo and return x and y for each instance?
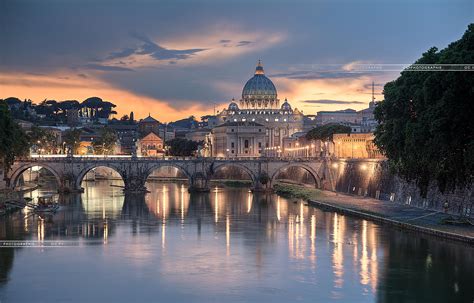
(163, 235)
(278, 208)
(227, 233)
(40, 229)
(106, 232)
(335, 165)
(313, 239)
(249, 203)
(216, 201)
(363, 167)
(364, 260)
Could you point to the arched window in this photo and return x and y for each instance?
(246, 143)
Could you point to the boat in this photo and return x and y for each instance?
(46, 205)
(49, 208)
(10, 206)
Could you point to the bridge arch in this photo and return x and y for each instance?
(88, 168)
(18, 171)
(309, 169)
(244, 168)
(161, 165)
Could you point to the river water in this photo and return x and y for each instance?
(228, 245)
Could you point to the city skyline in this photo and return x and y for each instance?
(173, 62)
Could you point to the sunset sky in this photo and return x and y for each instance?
(178, 58)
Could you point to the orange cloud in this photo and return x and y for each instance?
(63, 86)
(351, 89)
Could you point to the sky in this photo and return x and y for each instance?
(173, 59)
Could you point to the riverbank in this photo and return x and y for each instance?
(385, 212)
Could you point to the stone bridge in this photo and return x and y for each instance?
(70, 171)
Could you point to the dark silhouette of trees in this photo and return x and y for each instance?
(106, 143)
(325, 132)
(426, 124)
(72, 138)
(13, 140)
(182, 147)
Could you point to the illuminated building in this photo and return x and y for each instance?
(151, 145)
(355, 146)
(258, 113)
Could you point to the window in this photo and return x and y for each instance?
(232, 130)
(259, 144)
(259, 130)
(246, 143)
(232, 151)
(232, 144)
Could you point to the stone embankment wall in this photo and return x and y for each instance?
(372, 177)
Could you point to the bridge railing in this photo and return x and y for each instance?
(42, 158)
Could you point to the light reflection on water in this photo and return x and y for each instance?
(227, 245)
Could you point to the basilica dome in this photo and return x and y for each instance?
(259, 91)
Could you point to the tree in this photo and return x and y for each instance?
(325, 132)
(99, 108)
(13, 140)
(72, 139)
(43, 140)
(106, 143)
(426, 125)
(182, 147)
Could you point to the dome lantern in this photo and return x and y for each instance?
(259, 91)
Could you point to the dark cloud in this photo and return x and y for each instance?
(335, 36)
(316, 75)
(122, 53)
(107, 68)
(158, 52)
(243, 43)
(327, 101)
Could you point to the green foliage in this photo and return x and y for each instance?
(426, 120)
(72, 138)
(106, 143)
(13, 140)
(325, 132)
(43, 141)
(182, 147)
(294, 191)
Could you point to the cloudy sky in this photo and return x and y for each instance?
(179, 58)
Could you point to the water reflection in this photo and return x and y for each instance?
(229, 244)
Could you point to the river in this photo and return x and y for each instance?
(228, 245)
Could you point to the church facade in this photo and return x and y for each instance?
(257, 125)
